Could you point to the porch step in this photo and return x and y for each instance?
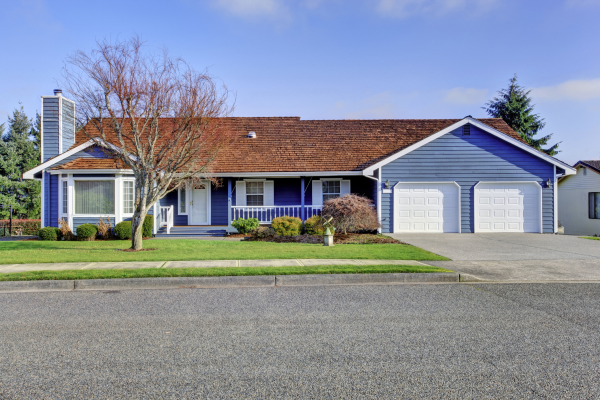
(183, 231)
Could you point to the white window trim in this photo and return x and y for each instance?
(188, 202)
(61, 198)
(263, 193)
(122, 184)
(323, 194)
(72, 196)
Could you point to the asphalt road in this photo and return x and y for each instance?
(403, 341)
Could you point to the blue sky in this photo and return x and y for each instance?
(334, 59)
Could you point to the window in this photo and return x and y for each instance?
(255, 193)
(594, 204)
(65, 198)
(182, 200)
(94, 197)
(331, 190)
(128, 197)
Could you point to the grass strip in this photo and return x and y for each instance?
(230, 271)
(590, 237)
(28, 252)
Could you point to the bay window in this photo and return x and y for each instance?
(94, 197)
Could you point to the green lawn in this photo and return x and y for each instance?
(232, 271)
(590, 237)
(27, 252)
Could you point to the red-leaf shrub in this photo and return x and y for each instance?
(351, 213)
(26, 226)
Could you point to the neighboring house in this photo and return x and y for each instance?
(437, 175)
(579, 200)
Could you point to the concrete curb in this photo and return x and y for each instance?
(227, 282)
(175, 283)
(36, 286)
(470, 278)
(365, 279)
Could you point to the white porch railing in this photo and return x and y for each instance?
(166, 217)
(265, 214)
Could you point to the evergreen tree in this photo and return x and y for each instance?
(515, 107)
(19, 152)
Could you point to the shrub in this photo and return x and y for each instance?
(64, 230)
(147, 226)
(26, 226)
(48, 233)
(245, 225)
(86, 232)
(314, 225)
(123, 230)
(262, 232)
(351, 213)
(104, 229)
(287, 226)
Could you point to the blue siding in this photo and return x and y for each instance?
(358, 185)
(53, 201)
(50, 118)
(68, 125)
(89, 220)
(171, 200)
(218, 205)
(468, 160)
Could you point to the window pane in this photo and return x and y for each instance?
(128, 197)
(254, 188)
(94, 197)
(65, 190)
(182, 201)
(597, 205)
(255, 200)
(329, 197)
(331, 187)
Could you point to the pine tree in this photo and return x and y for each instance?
(515, 107)
(19, 152)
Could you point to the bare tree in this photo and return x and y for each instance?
(155, 113)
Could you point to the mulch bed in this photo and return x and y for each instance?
(238, 235)
(350, 238)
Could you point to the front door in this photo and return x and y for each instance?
(200, 212)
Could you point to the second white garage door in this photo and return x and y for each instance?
(508, 207)
(426, 207)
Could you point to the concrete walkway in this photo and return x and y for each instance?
(199, 264)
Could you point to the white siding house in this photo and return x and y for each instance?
(579, 200)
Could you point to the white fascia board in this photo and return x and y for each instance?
(568, 169)
(29, 174)
(288, 174)
(90, 171)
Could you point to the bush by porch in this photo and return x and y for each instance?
(25, 252)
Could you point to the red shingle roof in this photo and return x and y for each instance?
(289, 144)
(92, 163)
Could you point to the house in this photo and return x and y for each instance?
(579, 199)
(429, 175)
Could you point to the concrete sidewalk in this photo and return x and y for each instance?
(199, 264)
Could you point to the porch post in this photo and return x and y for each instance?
(302, 212)
(229, 202)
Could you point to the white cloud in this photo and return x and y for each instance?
(571, 90)
(462, 95)
(407, 8)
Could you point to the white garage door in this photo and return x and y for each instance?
(426, 207)
(508, 207)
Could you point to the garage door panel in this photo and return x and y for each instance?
(507, 207)
(426, 207)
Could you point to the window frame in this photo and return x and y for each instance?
(64, 197)
(323, 194)
(262, 183)
(187, 201)
(593, 205)
(88, 179)
(123, 181)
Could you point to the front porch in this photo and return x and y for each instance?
(205, 208)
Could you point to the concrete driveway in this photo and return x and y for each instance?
(513, 256)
